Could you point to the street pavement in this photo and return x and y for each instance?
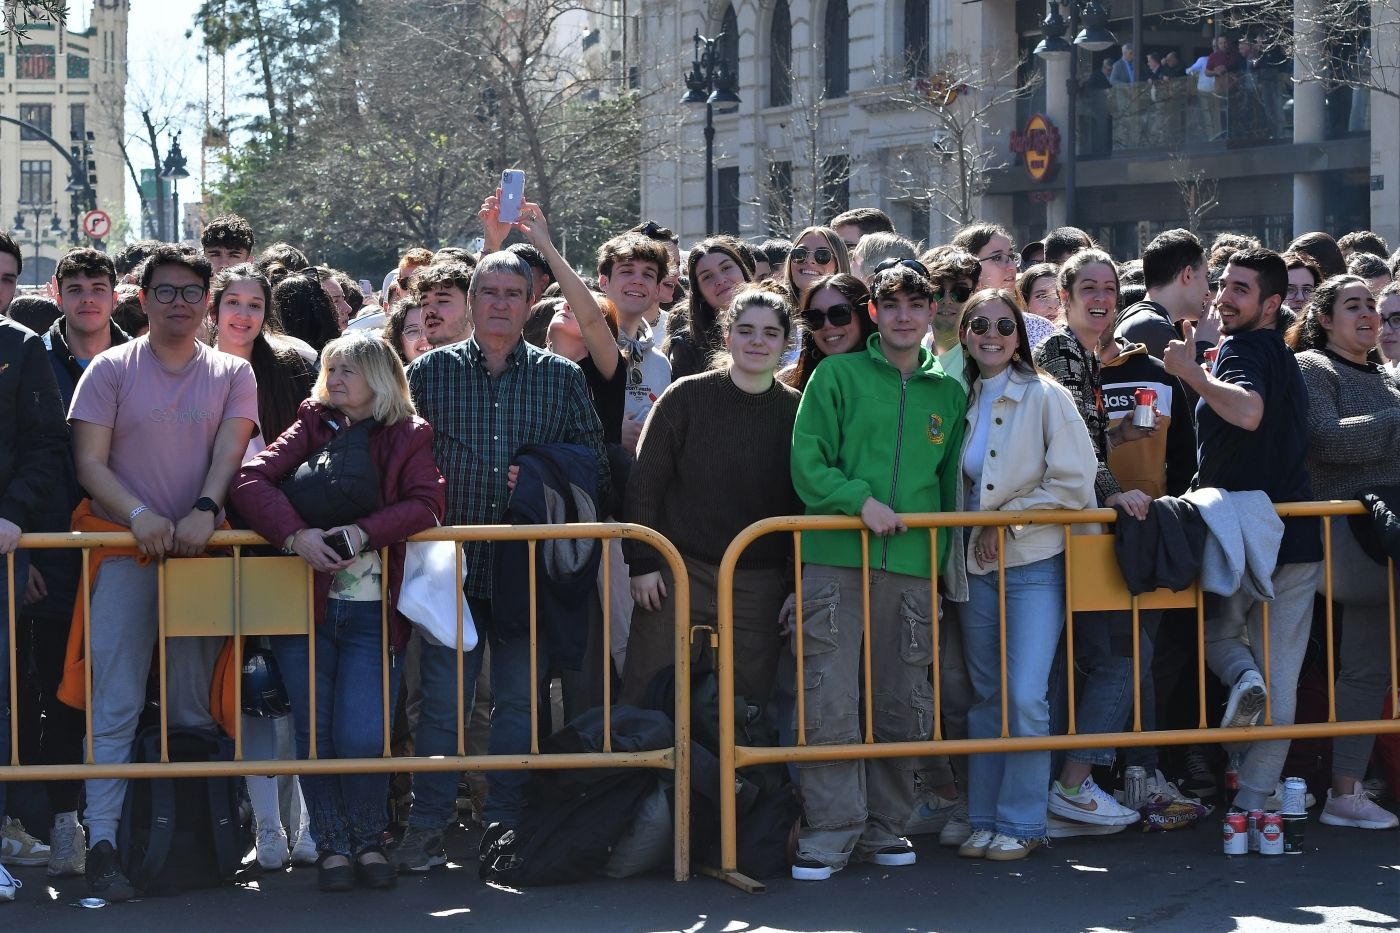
(1346, 879)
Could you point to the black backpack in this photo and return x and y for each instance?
(181, 833)
(567, 835)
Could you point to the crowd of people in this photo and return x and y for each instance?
(170, 392)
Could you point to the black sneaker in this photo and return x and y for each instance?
(1199, 780)
(806, 869)
(893, 855)
(104, 874)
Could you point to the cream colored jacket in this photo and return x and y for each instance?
(1038, 457)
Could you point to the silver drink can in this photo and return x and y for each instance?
(1134, 786)
(1145, 409)
(1295, 795)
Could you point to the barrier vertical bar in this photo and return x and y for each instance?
(1073, 722)
(12, 656)
(1001, 626)
(86, 597)
(797, 629)
(534, 660)
(681, 598)
(237, 648)
(1201, 656)
(386, 709)
(606, 545)
(1268, 659)
(1394, 675)
(1331, 649)
(936, 676)
(458, 558)
(1137, 668)
(869, 691)
(311, 659)
(160, 658)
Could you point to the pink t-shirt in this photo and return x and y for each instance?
(163, 421)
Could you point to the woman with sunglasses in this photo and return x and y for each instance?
(1024, 448)
(818, 252)
(1388, 306)
(834, 321)
(1088, 283)
(992, 246)
(1354, 430)
(717, 268)
(713, 459)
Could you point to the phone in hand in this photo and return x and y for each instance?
(339, 542)
(512, 196)
(367, 288)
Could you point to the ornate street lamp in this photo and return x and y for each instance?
(711, 82)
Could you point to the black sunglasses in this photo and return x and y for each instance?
(980, 325)
(821, 255)
(839, 316)
(958, 293)
(907, 263)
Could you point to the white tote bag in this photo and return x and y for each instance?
(431, 592)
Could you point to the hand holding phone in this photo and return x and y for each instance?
(339, 541)
(512, 196)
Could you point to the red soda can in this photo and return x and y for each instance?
(1209, 356)
(1236, 833)
(1232, 772)
(1145, 411)
(1256, 819)
(1271, 834)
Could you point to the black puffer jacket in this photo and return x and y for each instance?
(33, 430)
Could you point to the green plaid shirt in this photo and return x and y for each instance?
(479, 423)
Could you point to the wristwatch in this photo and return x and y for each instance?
(206, 504)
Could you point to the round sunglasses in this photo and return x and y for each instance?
(821, 255)
(980, 325)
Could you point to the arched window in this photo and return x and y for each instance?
(780, 62)
(915, 38)
(836, 39)
(729, 46)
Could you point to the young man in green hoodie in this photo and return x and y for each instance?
(878, 434)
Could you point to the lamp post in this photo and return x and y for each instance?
(710, 82)
(38, 210)
(1094, 37)
(174, 170)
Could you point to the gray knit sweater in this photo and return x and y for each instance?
(1353, 425)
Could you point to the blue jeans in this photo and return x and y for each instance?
(1103, 654)
(21, 576)
(348, 811)
(435, 792)
(1008, 792)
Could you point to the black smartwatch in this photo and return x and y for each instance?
(206, 504)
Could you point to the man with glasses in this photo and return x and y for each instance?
(894, 452)
(953, 272)
(160, 426)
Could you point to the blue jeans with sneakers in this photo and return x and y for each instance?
(21, 575)
(1103, 658)
(1008, 792)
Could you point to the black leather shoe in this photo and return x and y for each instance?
(334, 877)
(376, 874)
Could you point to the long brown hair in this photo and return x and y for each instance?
(854, 291)
(1022, 360)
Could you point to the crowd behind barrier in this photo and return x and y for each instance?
(1059, 525)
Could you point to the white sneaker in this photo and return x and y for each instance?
(68, 846)
(1004, 848)
(17, 847)
(1246, 703)
(931, 813)
(1056, 828)
(959, 827)
(1159, 786)
(272, 849)
(976, 844)
(8, 885)
(1089, 804)
(1357, 809)
(304, 852)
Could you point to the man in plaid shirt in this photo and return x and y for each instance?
(487, 397)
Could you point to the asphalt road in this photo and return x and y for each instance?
(1346, 880)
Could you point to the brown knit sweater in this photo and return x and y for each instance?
(713, 460)
(1353, 425)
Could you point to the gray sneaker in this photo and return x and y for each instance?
(419, 850)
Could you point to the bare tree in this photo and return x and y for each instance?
(961, 97)
(1199, 190)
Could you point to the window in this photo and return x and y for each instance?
(77, 122)
(35, 62)
(919, 222)
(915, 38)
(836, 57)
(779, 206)
(36, 181)
(836, 185)
(729, 46)
(780, 63)
(77, 66)
(39, 115)
(727, 219)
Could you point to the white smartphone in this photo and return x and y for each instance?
(512, 195)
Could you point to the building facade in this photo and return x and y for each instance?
(72, 86)
(840, 106)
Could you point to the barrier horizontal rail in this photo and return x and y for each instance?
(733, 756)
(674, 759)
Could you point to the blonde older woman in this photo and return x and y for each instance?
(360, 395)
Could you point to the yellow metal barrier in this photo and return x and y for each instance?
(238, 595)
(1092, 582)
